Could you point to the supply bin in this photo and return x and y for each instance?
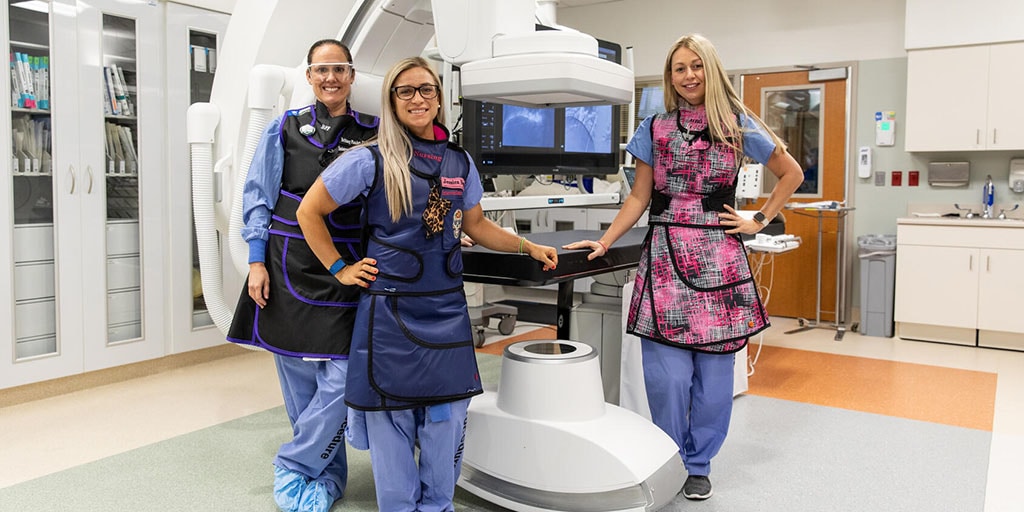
(877, 283)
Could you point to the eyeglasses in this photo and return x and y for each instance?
(323, 69)
(406, 92)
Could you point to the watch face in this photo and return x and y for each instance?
(759, 217)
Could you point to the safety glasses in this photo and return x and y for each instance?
(324, 69)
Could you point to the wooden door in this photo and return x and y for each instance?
(794, 292)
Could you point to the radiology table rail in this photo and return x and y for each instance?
(481, 265)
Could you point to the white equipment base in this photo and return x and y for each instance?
(547, 441)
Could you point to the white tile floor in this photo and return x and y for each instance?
(52, 434)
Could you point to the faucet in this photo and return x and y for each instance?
(988, 197)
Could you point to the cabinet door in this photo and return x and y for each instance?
(122, 105)
(194, 37)
(947, 99)
(937, 285)
(41, 303)
(1001, 282)
(1005, 102)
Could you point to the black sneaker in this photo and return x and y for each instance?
(697, 487)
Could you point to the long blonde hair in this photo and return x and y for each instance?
(394, 142)
(721, 103)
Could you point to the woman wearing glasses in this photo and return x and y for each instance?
(413, 368)
(291, 305)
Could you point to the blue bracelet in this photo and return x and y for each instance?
(336, 267)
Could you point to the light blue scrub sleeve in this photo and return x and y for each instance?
(757, 144)
(350, 175)
(262, 186)
(640, 145)
(474, 188)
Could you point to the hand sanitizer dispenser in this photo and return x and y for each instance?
(1017, 175)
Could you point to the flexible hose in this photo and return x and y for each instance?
(206, 235)
(239, 249)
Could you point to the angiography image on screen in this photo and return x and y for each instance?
(528, 127)
(587, 129)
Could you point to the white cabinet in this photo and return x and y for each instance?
(85, 175)
(960, 284)
(200, 32)
(1001, 281)
(948, 113)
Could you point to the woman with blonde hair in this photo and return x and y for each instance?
(694, 301)
(412, 368)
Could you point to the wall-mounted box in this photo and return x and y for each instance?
(949, 174)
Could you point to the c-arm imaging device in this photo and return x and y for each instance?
(489, 51)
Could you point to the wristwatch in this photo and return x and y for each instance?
(761, 219)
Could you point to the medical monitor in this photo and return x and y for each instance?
(510, 139)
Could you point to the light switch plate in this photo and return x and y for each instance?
(879, 178)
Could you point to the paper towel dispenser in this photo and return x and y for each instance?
(949, 174)
(1017, 175)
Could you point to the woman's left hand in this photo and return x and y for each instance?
(596, 249)
(739, 224)
(544, 254)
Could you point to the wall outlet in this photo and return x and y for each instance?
(879, 178)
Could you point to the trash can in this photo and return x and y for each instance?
(877, 284)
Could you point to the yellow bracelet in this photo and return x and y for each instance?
(522, 240)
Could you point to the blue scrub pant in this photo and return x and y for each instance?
(690, 394)
(402, 485)
(314, 397)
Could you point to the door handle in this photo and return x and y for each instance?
(71, 174)
(88, 170)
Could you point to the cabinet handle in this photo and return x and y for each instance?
(988, 263)
(993, 135)
(970, 264)
(977, 137)
(88, 170)
(71, 174)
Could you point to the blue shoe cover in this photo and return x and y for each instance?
(316, 498)
(288, 487)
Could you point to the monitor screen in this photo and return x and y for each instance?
(511, 139)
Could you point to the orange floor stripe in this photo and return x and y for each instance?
(542, 333)
(961, 398)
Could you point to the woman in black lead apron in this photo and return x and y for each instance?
(291, 306)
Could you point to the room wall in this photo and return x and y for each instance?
(784, 33)
(764, 34)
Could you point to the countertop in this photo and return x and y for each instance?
(960, 221)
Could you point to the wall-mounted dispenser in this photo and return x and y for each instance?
(1017, 175)
(949, 174)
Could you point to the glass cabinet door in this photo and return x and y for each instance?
(31, 166)
(203, 63)
(194, 38)
(121, 179)
(122, 111)
(42, 189)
